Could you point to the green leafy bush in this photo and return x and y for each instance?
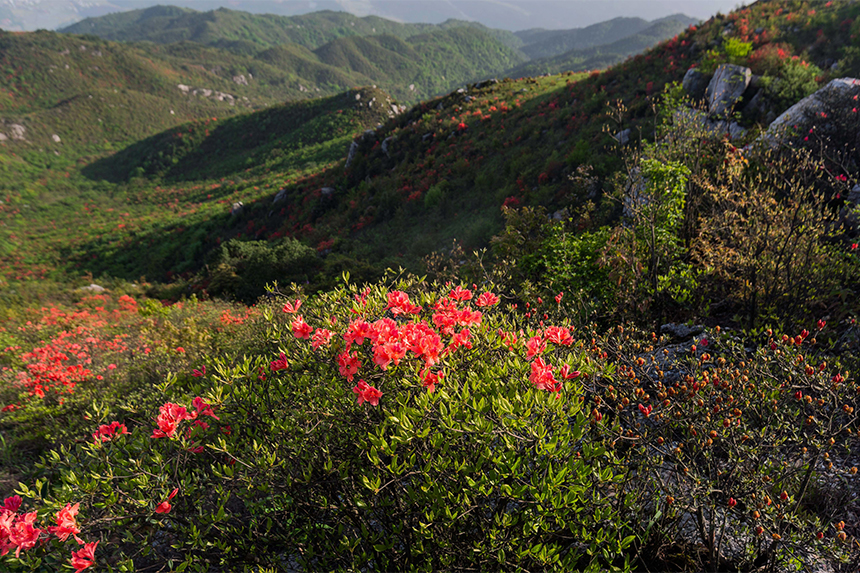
(420, 427)
(242, 269)
(797, 79)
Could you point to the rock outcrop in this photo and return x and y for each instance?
(836, 95)
(726, 89)
(695, 83)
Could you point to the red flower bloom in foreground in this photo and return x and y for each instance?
(23, 535)
(567, 373)
(367, 393)
(399, 303)
(541, 376)
(107, 432)
(203, 409)
(487, 299)
(66, 524)
(460, 293)
(301, 329)
(348, 364)
(430, 379)
(169, 417)
(279, 364)
(164, 506)
(85, 557)
(292, 308)
(321, 337)
(12, 503)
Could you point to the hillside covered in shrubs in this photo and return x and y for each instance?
(587, 321)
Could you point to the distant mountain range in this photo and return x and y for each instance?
(611, 44)
(20, 15)
(327, 51)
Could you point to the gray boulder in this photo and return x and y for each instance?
(695, 83)
(18, 131)
(699, 120)
(681, 331)
(726, 88)
(353, 149)
(623, 137)
(839, 93)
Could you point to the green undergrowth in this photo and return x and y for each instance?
(402, 424)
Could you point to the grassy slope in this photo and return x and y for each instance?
(91, 92)
(54, 217)
(432, 62)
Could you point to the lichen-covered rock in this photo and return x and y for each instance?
(726, 88)
(698, 119)
(17, 131)
(839, 93)
(695, 83)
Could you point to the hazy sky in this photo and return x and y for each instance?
(506, 14)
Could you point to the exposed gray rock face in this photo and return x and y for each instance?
(17, 131)
(839, 93)
(681, 331)
(353, 149)
(699, 119)
(237, 208)
(241, 80)
(93, 288)
(485, 83)
(726, 88)
(282, 194)
(695, 83)
(623, 137)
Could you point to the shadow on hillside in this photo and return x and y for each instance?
(398, 202)
(291, 136)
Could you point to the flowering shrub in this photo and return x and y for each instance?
(437, 427)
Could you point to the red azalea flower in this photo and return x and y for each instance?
(85, 557)
(164, 506)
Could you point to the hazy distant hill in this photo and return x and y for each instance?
(245, 32)
(540, 43)
(21, 15)
(97, 94)
(605, 55)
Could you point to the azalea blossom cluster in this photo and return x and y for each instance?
(403, 336)
(19, 532)
(107, 432)
(170, 415)
(542, 372)
(71, 340)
